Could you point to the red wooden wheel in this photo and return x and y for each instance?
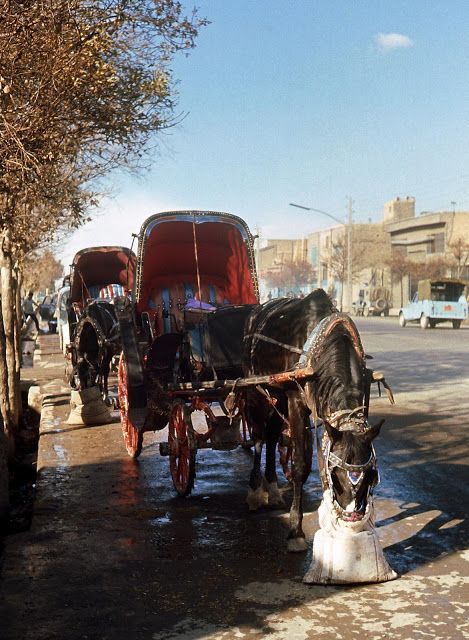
(133, 438)
(182, 449)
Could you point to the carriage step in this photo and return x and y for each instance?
(164, 448)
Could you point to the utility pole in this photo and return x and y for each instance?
(348, 232)
(349, 253)
(257, 238)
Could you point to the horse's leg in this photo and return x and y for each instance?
(106, 367)
(274, 428)
(257, 496)
(256, 416)
(296, 536)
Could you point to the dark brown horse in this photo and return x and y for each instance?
(282, 335)
(96, 339)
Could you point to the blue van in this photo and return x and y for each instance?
(436, 301)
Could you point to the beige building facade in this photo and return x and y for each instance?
(421, 238)
(424, 238)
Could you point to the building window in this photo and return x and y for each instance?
(436, 244)
(314, 255)
(324, 272)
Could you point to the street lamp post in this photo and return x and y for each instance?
(348, 226)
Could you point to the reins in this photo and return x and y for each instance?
(289, 347)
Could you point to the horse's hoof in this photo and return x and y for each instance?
(257, 499)
(296, 545)
(275, 499)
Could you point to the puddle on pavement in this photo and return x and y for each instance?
(60, 452)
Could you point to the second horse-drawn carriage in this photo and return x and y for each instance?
(99, 276)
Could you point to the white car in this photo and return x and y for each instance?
(61, 313)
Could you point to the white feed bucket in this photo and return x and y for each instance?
(87, 407)
(346, 552)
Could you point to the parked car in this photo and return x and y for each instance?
(47, 311)
(372, 302)
(436, 301)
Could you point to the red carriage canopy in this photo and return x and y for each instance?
(169, 244)
(100, 267)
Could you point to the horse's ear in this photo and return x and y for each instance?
(333, 433)
(373, 431)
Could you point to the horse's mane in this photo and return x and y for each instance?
(338, 380)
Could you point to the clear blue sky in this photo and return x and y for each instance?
(310, 102)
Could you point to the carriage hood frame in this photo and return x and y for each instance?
(98, 265)
(226, 251)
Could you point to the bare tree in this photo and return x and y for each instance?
(84, 86)
(433, 268)
(398, 264)
(40, 270)
(460, 253)
(370, 250)
(291, 275)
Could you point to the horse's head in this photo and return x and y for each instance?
(348, 461)
(83, 374)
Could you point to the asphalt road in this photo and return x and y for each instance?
(113, 554)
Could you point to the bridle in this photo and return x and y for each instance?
(355, 472)
(346, 420)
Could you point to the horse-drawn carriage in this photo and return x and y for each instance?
(192, 336)
(182, 334)
(99, 276)
(195, 337)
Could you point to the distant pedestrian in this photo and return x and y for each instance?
(28, 309)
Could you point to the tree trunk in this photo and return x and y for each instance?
(4, 477)
(8, 310)
(18, 324)
(5, 421)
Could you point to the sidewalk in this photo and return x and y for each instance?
(50, 581)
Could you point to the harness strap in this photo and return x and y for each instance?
(357, 468)
(321, 461)
(272, 402)
(346, 420)
(260, 336)
(275, 306)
